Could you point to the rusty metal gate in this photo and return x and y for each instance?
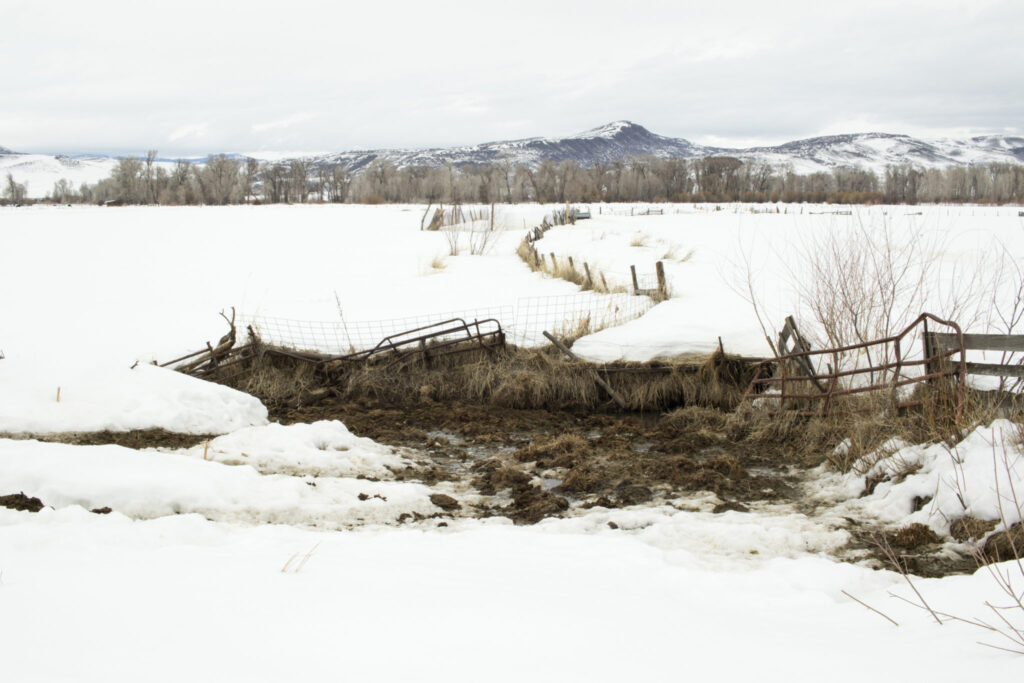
(801, 387)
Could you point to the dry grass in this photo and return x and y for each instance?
(570, 332)
(439, 263)
(862, 430)
(640, 240)
(514, 378)
(538, 263)
(277, 379)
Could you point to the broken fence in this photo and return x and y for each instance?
(524, 323)
(799, 388)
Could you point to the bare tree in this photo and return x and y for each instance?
(249, 176)
(150, 174)
(299, 170)
(14, 192)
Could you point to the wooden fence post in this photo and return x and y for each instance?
(929, 350)
(636, 286)
(597, 377)
(662, 285)
(590, 281)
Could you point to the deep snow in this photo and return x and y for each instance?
(224, 562)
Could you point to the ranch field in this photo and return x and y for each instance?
(494, 517)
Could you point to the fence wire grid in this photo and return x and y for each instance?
(523, 323)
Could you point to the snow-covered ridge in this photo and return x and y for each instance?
(621, 140)
(612, 142)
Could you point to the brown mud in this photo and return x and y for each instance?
(537, 464)
(138, 438)
(544, 460)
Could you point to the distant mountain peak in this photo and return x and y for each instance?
(613, 129)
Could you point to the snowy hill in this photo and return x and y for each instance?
(876, 150)
(623, 139)
(40, 171)
(616, 141)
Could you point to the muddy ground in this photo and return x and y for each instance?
(539, 463)
(528, 465)
(137, 438)
(596, 459)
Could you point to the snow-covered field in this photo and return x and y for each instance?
(276, 553)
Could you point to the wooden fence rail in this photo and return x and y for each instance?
(1007, 343)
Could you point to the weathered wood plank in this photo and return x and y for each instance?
(982, 342)
(995, 370)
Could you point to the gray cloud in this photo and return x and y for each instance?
(201, 77)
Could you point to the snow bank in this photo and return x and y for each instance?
(976, 478)
(321, 449)
(118, 399)
(498, 602)
(673, 327)
(147, 484)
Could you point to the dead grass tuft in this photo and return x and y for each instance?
(566, 450)
(640, 240)
(913, 536)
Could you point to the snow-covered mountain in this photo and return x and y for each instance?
(615, 141)
(618, 140)
(877, 150)
(624, 139)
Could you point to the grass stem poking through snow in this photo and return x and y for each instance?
(302, 558)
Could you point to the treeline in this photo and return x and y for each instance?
(228, 180)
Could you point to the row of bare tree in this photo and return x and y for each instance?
(230, 180)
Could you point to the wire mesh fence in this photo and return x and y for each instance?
(573, 315)
(344, 336)
(524, 323)
(647, 281)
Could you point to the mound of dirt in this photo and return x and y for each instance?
(970, 528)
(19, 501)
(445, 502)
(1005, 545)
(531, 504)
(913, 536)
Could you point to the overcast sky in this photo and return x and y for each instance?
(196, 77)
